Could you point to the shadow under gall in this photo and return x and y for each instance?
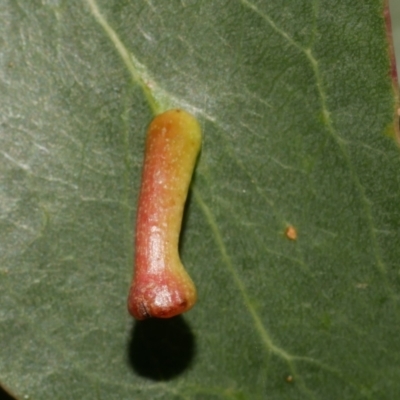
(161, 349)
(185, 219)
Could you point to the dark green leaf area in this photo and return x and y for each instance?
(295, 102)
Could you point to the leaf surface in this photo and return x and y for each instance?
(296, 105)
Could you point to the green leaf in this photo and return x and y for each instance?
(296, 102)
